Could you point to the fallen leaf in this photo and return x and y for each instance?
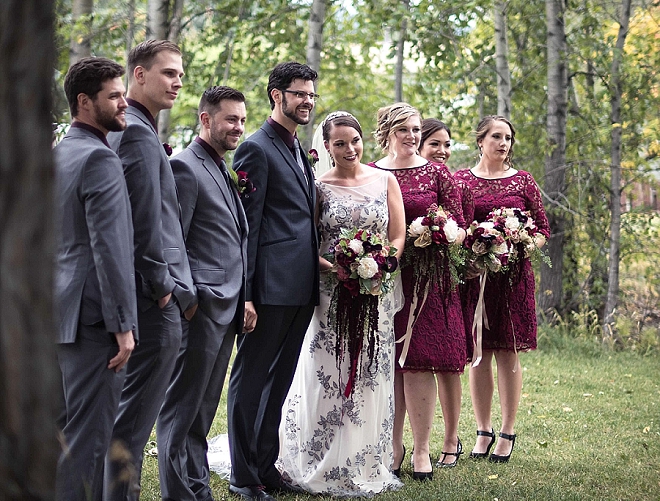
(567, 409)
(587, 395)
(556, 382)
(542, 443)
(492, 477)
(646, 429)
(627, 375)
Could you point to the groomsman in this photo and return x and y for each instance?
(282, 283)
(215, 229)
(164, 284)
(94, 282)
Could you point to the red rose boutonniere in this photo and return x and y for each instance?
(242, 182)
(313, 157)
(168, 149)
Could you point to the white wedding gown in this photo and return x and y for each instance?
(329, 443)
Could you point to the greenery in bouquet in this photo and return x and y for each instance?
(365, 265)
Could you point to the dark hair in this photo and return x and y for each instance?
(389, 118)
(144, 53)
(213, 96)
(346, 120)
(87, 77)
(429, 127)
(484, 126)
(285, 73)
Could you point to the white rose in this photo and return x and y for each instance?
(501, 248)
(451, 230)
(416, 228)
(356, 246)
(512, 223)
(368, 267)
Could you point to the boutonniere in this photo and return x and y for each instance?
(168, 149)
(313, 157)
(242, 182)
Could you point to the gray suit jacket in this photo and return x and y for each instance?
(283, 262)
(215, 229)
(94, 279)
(161, 263)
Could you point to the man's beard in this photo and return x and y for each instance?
(222, 143)
(108, 121)
(292, 114)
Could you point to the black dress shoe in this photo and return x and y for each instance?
(481, 433)
(423, 475)
(496, 458)
(251, 492)
(397, 471)
(459, 451)
(284, 487)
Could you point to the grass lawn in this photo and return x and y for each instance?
(588, 428)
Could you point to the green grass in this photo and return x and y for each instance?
(588, 428)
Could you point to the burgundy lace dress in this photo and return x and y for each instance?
(467, 204)
(509, 299)
(438, 340)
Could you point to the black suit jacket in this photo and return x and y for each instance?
(283, 267)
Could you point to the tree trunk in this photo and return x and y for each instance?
(400, 47)
(29, 377)
(609, 334)
(157, 14)
(555, 157)
(502, 60)
(314, 47)
(80, 42)
(173, 32)
(130, 33)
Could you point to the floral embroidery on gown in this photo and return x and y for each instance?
(509, 300)
(332, 444)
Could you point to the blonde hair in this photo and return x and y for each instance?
(389, 118)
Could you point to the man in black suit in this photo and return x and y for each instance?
(94, 282)
(164, 284)
(282, 282)
(216, 239)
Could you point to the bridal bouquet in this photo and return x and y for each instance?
(365, 265)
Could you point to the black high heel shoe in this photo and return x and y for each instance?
(480, 433)
(496, 458)
(397, 472)
(423, 475)
(459, 451)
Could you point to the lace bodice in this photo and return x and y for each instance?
(518, 191)
(362, 206)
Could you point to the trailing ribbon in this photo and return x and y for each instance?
(412, 318)
(480, 320)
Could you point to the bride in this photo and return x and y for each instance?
(334, 441)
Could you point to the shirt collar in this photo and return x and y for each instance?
(92, 129)
(288, 138)
(143, 109)
(213, 154)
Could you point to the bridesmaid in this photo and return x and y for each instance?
(437, 342)
(509, 299)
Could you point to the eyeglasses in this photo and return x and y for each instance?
(302, 95)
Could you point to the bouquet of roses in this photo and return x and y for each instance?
(487, 246)
(436, 232)
(520, 230)
(365, 265)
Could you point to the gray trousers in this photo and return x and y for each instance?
(91, 397)
(189, 408)
(149, 372)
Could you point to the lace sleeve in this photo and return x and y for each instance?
(467, 201)
(449, 195)
(535, 205)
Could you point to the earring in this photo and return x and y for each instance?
(332, 160)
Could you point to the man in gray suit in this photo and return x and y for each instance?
(282, 283)
(216, 239)
(164, 283)
(94, 282)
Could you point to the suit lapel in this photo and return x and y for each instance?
(228, 192)
(291, 161)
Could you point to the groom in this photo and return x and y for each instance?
(282, 281)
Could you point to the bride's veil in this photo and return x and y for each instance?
(323, 165)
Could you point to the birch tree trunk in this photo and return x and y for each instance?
(609, 316)
(80, 40)
(502, 60)
(555, 158)
(172, 33)
(157, 14)
(400, 47)
(314, 47)
(130, 33)
(29, 377)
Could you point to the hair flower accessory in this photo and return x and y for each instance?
(243, 184)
